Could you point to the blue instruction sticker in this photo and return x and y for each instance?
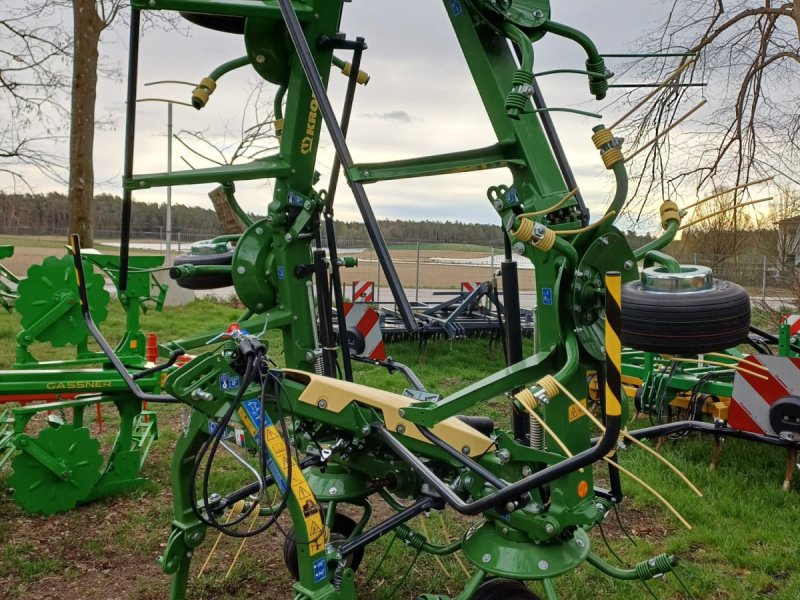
(295, 199)
(212, 427)
(320, 569)
(281, 272)
(547, 295)
(228, 382)
(455, 6)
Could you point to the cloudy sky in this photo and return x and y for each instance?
(420, 100)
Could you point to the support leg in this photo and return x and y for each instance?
(719, 442)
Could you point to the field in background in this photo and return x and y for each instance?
(743, 544)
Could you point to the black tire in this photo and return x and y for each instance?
(685, 323)
(224, 23)
(343, 526)
(504, 589)
(207, 281)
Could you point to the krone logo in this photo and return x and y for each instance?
(308, 141)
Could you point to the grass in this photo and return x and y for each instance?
(743, 543)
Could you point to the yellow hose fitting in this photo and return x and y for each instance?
(602, 138)
(278, 128)
(209, 84)
(611, 157)
(669, 212)
(550, 385)
(202, 92)
(524, 231)
(527, 400)
(362, 78)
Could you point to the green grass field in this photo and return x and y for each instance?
(743, 543)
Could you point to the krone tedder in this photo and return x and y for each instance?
(324, 442)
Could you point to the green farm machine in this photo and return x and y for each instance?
(8, 281)
(319, 442)
(61, 465)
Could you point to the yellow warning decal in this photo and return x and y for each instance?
(576, 413)
(278, 463)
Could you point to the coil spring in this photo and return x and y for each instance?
(319, 366)
(536, 432)
(516, 100)
(598, 86)
(648, 569)
(410, 537)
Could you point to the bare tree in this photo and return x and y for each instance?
(749, 55)
(34, 51)
(255, 138)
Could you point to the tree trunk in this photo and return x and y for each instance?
(87, 26)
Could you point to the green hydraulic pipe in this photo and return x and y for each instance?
(598, 86)
(621, 177)
(566, 249)
(278, 103)
(658, 243)
(229, 190)
(665, 260)
(523, 42)
(643, 571)
(229, 66)
(569, 368)
(416, 540)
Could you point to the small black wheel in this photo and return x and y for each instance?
(504, 589)
(343, 526)
(205, 281)
(692, 322)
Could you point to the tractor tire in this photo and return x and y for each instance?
(343, 526)
(209, 281)
(685, 323)
(504, 589)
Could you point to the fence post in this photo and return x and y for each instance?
(378, 284)
(764, 281)
(695, 258)
(416, 295)
(491, 261)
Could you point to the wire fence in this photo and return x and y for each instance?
(430, 272)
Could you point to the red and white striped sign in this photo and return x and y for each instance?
(752, 396)
(470, 286)
(794, 323)
(363, 291)
(363, 323)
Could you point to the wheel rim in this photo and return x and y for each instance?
(692, 278)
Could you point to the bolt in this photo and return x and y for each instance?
(259, 230)
(577, 308)
(628, 265)
(322, 403)
(401, 428)
(366, 173)
(401, 412)
(498, 204)
(307, 205)
(504, 529)
(549, 528)
(503, 455)
(365, 429)
(543, 565)
(580, 543)
(240, 270)
(152, 3)
(288, 237)
(518, 248)
(261, 59)
(189, 554)
(465, 450)
(538, 14)
(510, 507)
(526, 471)
(604, 241)
(486, 558)
(535, 507)
(467, 481)
(260, 305)
(333, 491)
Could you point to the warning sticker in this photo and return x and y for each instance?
(278, 464)
(576, 413)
